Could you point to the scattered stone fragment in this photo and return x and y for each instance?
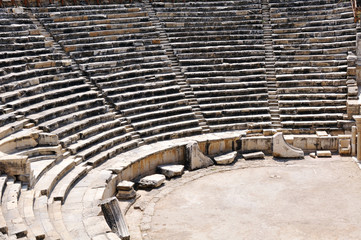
(115, 218)
(254, 155)
(195, 158)
(125, 190)
(321, 133)
(226, 159)
(313, 155)
(171, 170)
(281, 149)
(324, 153)
(152, 181)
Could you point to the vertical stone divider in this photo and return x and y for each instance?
(270, 66)
(180, 78)
(75, 67)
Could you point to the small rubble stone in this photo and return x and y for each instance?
(226, 159)
(313, 155)
(171, 170)
(152, 181)
(325, 153)
(254, 155)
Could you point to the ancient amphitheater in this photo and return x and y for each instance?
(97, 95)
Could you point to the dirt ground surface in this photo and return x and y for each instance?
(300, 199)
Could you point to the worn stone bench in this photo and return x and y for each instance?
(27, 101)
(111, 143)
(233, 105)
(127, 96)
(16, 225)
(312, 109)
(312, 89)
(141, 108)
(311, 102)
(70, 133)
(103, 132)
(239, 119)
(232, 98)
(114, 83)
(163, 120)
(13, 77)
(66, 120)
(58, 110)
(172, 135)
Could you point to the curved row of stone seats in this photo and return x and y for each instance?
(219, 45)
(119, 49)
(311, 42)
(42, 87)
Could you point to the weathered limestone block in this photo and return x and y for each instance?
(254, 155)
(125, 190)
(282, 149)
(313, 155)
(324, 153)
(48, 139)
(353, 108)
(171, 170)
(151, 181)
(195, 158)
(226, 159)
(14, 164)
(115, 218)
(18, 142)
(344, 147)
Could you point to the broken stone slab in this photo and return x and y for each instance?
(313, 155)
(324, 153)
(321, 133)
(254, 155)
(195, 158)
(125, 185)
(125, 190)
(171, 170)
(115, 218)
(151, 181)
(282, 149)
(226, 159)
(126, 194)
(14, 164)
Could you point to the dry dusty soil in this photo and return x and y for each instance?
(304, 199)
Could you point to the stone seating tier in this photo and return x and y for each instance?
(114, 83)
(139, 87)
(131, 37)
(72, 132)
(139, 105)
(142, 109)
(64, 120)
(63, 106)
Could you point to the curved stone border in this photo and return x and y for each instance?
(137, 163)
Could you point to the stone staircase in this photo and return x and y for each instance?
(180, 78)
(270, 70)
